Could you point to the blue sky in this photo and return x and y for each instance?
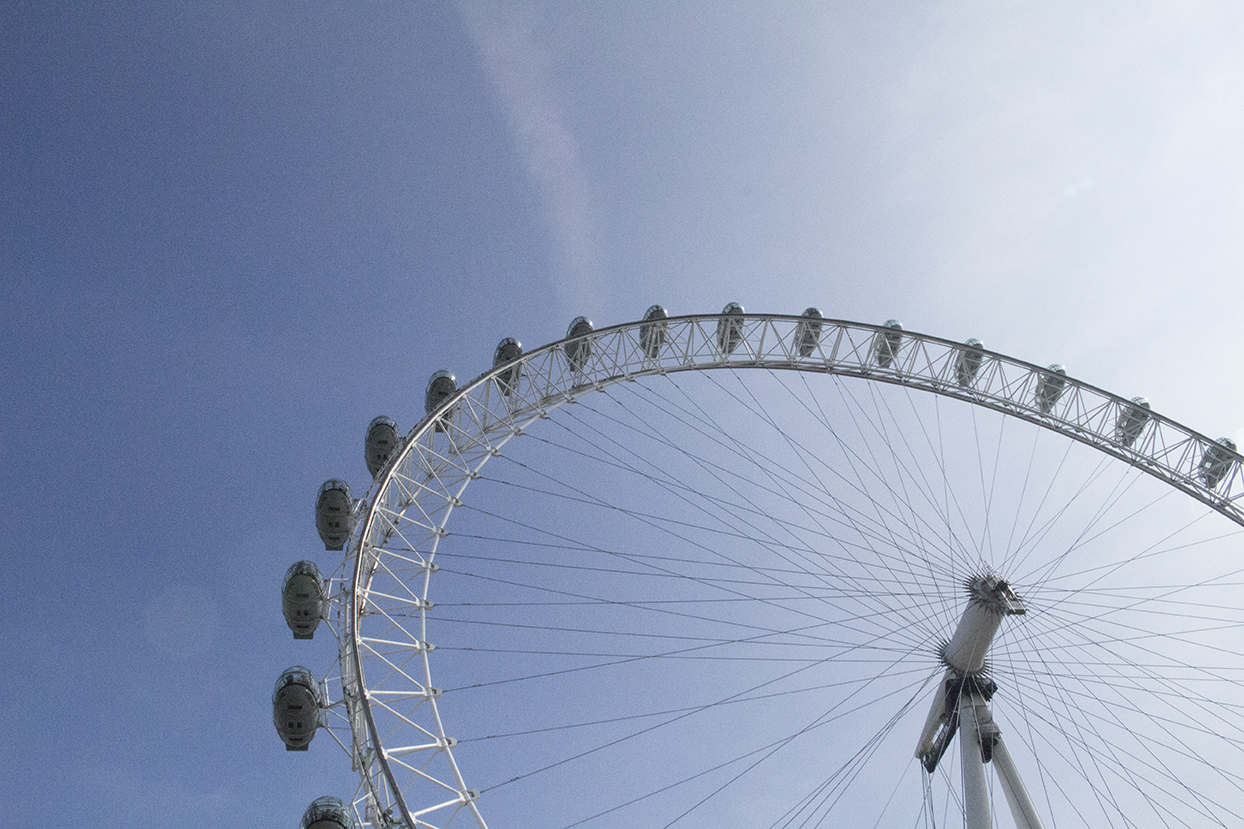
(230, 235)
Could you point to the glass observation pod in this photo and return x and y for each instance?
(730, 329)
(508, 350)
(968, 362)
(380, 442)
(1132, 420)
(332, 513)
(304, 598)
(296, 707)
(889, 341)
(652, 332)
(327, 813)
(441, 386)
(808, 334)
(1050, 387)
(578, 350)
(1216, 462)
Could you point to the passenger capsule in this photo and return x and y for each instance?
(730, 329)
(441, 386)
(1050, 387)
(332, 513)
(508, 350)
(808, 332)
(578, 350)
(889, 341)
(304, 598)
(968, 362)
(380, 442)
(296, 707)
(652, 332)
(1217, 461)
(327, 813)
(1132, 419)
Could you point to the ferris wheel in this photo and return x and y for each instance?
(778, 571)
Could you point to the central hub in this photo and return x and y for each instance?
(990, 598)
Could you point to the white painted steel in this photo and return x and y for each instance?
(975, 787)
(1023, 811)
(970, 645)
(413, 498)
(936, 718)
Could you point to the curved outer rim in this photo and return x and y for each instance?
(1164, 449)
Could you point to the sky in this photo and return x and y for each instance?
(231, 234)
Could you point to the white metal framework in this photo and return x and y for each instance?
(407, 758)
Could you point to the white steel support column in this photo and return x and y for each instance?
(975, 790)
(1017, 798)
(961, 702)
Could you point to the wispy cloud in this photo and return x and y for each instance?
(518, 68)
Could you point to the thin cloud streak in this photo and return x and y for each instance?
(517, 68)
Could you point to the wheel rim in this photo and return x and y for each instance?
(400, 743)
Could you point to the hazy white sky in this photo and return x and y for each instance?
(230, 236)
(1034, 174)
